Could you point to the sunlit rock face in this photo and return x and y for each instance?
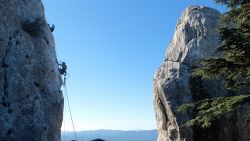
(196, 37)
(31, 103)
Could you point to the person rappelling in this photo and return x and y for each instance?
(63, 68)
(63, 71)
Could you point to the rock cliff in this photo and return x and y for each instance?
(196, 38)
(31, 103)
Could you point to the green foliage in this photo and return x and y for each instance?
(234, 61)
(232, 3)
(211, 109)
(232, 65)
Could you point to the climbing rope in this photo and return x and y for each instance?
(66, 76)
(67, 98)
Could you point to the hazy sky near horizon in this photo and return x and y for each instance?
(112, 49)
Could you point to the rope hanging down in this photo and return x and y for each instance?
(62, 69)
(66, 93)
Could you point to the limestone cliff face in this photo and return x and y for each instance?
(31, 103)
(196, 38)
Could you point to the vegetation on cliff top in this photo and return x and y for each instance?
(233, 65)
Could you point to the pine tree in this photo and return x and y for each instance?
(232, 65)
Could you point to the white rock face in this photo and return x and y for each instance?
(196, 38)
(31, 103)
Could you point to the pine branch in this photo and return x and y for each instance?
(209, 110)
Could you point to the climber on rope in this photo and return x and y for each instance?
(63, 68)
(63, 71)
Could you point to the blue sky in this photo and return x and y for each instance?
(112, 49)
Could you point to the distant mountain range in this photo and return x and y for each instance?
(112, 135)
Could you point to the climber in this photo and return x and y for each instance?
(52, 28)
(63, 68)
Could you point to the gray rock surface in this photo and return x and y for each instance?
(196, 38)
(31, 103)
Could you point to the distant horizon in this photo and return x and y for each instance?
(112, 130)
(112, 135)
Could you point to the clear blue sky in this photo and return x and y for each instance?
(112, 49)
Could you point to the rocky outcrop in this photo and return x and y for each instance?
(196, 38)
(31, 103)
